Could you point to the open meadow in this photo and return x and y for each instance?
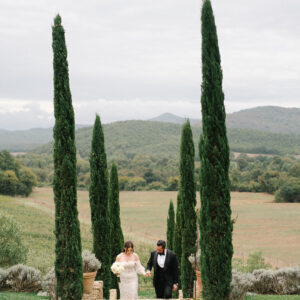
(261, 224)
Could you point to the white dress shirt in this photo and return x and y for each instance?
(161, 259)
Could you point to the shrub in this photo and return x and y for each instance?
(254, 187)
(173, 183)
(8, 182)
(295, 170)
(239, 265)
(27, 180)
(89, 262)
(123, 182)
(3, 277)
(136, 183)
(288, 281)
(49, 283)
(240, 284)
(269, 181)
(265, 282)
(21, 278)
(284, 281)
(289, 191)
(15, 179)
(155, 185)
(12, 249)
(256, 261)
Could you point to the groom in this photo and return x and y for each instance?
(165, 266)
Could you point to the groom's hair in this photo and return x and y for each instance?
(161, 243)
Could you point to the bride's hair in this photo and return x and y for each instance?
(127, 245)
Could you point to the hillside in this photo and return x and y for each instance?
(267, 118)
(129, 138)
(171, 118)
(247, 129)
(26, 140)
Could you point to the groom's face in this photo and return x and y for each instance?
(160, 249)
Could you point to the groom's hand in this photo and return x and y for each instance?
(175, 287)
(148, 273)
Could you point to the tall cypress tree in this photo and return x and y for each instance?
(171, 226)
(98, 193)
(117, 238)
(178, 234)
(215, 217)
(68, 261)
(188, 194)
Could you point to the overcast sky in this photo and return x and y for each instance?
(136, 59)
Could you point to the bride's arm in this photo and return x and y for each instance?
(118, 258)
(138, 267)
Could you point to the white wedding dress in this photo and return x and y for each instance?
(129, 280)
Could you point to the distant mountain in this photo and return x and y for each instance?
(247, 127)
(136, 139)
(170, 118)
(263, 118)
(26, 140)
(267, 118)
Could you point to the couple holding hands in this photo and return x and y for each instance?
(162, 260)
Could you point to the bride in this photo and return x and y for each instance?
(128, 278)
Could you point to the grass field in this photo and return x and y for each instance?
(20, 296)
(24, 296)
(261, 224)
(275, 297)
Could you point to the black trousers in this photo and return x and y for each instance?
(163, 290)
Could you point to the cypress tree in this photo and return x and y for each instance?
(215, 217)
(117, 238)
(178, 235)
(68, 261)
(171, 226)
(98, 193)
(188, 194)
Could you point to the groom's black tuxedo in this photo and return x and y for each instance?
(165, 277)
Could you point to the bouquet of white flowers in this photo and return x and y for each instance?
(117, 268)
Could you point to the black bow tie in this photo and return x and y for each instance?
(161, 254)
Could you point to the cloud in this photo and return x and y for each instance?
(24, 114)
(148, 50)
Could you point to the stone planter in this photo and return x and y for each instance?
(88, 282)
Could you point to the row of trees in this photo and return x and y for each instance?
(105, 209)
(215, 215)
(273, 175)
(247, 174)
(182, 233)
(104, 194)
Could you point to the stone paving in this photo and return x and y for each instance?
(97, 293)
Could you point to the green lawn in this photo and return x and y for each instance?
(262, 297)
(20, 296)
(142, 294)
